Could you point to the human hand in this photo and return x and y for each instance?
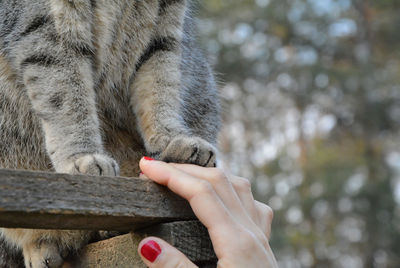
(239, 226)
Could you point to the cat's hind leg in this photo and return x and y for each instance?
(42, 255)
(48, 248)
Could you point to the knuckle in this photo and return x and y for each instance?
(242, 185)
(218, 175)
(268, 212)
(204, 187)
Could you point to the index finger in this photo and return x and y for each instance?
(202, 198)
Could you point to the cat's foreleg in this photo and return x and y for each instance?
(58, 81)
(156, 95)
(60, 88)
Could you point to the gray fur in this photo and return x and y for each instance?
(90, 86)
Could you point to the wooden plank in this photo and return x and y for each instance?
(120, 251)
(41, 200)
(189, 237)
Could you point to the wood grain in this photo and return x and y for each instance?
(120, 251)
(42, 200)
(190, 237)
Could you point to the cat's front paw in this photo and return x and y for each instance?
(91, 164)
(191, 150)
(43, 255)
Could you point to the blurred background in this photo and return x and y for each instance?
(311, 92)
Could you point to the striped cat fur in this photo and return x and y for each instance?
(90, 86)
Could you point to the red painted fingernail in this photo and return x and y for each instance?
(148, 158)
(150, 250)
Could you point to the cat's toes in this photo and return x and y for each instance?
(94, 164)
(191, 150)
(42, 255)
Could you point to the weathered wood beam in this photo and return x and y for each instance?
(189, 237)
(120, 251)
(41, 200)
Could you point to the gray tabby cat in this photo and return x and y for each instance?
(90, 86)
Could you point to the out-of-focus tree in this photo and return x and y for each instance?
(312, 115)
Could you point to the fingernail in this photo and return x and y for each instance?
(148, 158)
(141, 173)
(150, 250)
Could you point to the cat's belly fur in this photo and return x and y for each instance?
(121, 36)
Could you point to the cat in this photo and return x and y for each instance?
(91, 86)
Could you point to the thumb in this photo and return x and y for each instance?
(156, 253)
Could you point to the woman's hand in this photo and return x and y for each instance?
(239, 226)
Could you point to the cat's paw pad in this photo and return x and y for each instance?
(191, 150)
(93, 164)
(43, 255)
